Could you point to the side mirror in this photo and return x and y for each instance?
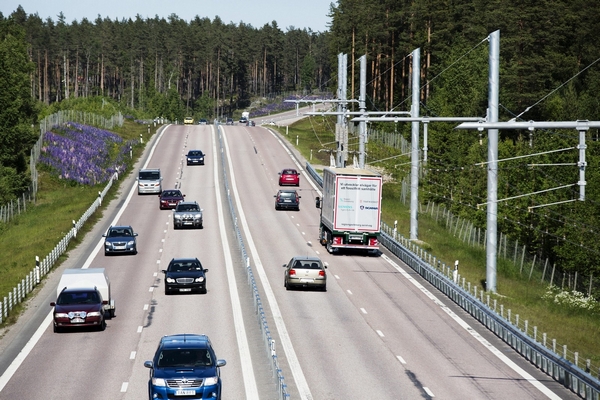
(284, 265)
(318, 202)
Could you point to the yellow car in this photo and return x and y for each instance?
(188, 121)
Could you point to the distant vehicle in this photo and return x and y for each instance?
(187, 214)
(287, 200)
(185, 275)
(170, 198)
(202, 121)
(250, 123)
(149, 181)
(229, 121)
(305, 271)
(188, 120)
(350, 209)
(185, 366)
(289, 176)
(83, 299)
(245, 117)
(119, 240)
(195, 157)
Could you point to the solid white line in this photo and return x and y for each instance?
(240, 330)
(286, 342)
(474, 333)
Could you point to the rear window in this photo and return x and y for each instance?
(149, 175)
(287, 194)
(289, 172)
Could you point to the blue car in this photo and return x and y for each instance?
(120, 240)
(184, 366)
(195, 157)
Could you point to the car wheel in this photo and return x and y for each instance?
(102, 325)
(201, 226)
(56, 329)
(167, 292)
(204, 291)
(106, 253)
(324, 288)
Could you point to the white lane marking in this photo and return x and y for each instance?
(124, 387)
(286, 342)
(12, 368)
(146, 306)
(429, 392)
(151, 289)
(155, 274)
(132, 355)
(474, 333)
(380, 333)
(349, 291)
(240, 330)
(363, 310)
(336, 276)
(401, 359)
(140, 329)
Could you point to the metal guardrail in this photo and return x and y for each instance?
(568, 374)
(41, 269)
(269, 342)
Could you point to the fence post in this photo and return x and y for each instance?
(532, 265)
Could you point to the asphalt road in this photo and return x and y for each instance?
(378, 331)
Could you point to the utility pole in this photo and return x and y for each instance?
(414, 156)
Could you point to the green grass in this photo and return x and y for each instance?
(38, 230)
(578, 329)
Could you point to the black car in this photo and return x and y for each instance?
(195, 157)
(250, 123)
(120, 239)
(202, 121)
(229, 121)
(185, 366)
(288, 200)
(185, 275)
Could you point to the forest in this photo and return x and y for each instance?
(548, 71)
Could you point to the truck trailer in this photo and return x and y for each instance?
(350, 209)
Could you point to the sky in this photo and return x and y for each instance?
(309, 14)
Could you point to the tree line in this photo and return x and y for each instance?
(548, 71)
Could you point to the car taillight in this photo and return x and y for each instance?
(321, 273)
(337, 240)
(373, 241)
(292, 272)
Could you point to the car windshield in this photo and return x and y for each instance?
(149, 175)
(78, 298)
(185, 266)
(171, 193)
(120, 232)
(184, 358)
(195, 153)
(187, 207)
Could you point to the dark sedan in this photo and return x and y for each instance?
(120, 239)
(185, 275)
(195, 157)
(170, 198)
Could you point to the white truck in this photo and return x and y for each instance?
(350, 209)
(83, 298)
(245, 117)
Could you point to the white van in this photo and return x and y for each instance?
(149, 181)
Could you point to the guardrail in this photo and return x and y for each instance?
(20, 292)
(568, 374)
(269, 342)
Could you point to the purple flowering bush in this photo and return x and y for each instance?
(84, 154)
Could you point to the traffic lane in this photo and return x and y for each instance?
(194, 313)
(502, 368)
(331, 354)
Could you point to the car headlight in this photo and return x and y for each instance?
(61, 315)
(159, 382)
(170, 280)
(130, 243)
(177, 216)
(108, 245)
(197, 216)
(200, 279)
(94, 314)
(212, 380)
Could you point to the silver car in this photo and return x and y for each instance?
(305, 271)
(149, 181)
(187, 214)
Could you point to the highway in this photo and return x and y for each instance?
(379, 332)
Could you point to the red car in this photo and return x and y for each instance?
(170, 198)
(289, 176)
